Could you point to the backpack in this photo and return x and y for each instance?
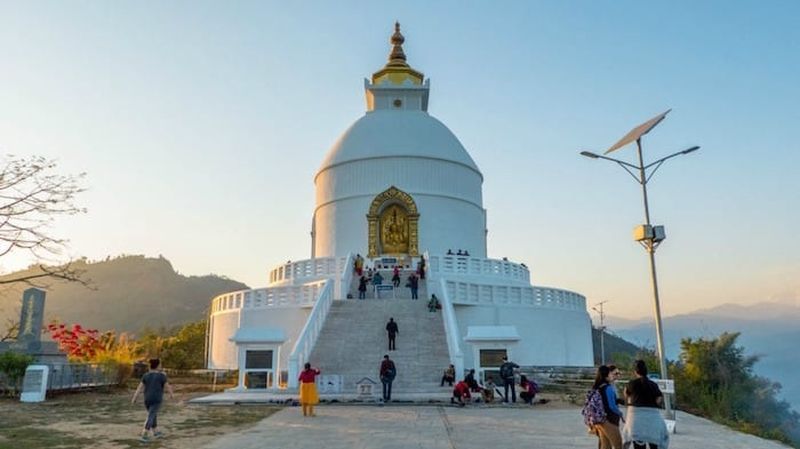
(593, 410)
(506, 370)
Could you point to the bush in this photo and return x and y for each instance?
(13, 365)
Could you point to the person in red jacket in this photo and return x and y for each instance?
(309, 397)
(461, 393)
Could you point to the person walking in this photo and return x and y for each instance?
(396, 277)
(387, 373)
(153, 384)
(507, 375)
(421, 267)
(392, 331)
(362, 287)
(607, 431)
(413, 284)
(644, 426)
(309, 397)
(358, 265)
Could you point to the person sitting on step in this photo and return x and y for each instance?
(449, 375)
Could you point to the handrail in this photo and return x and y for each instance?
(303, 270)
(448, 316)
(451, 329)
(307, 337)
(485, 293)
(347, 276)
(478, 267)
(286, 295)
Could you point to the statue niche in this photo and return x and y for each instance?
(394, 230)
(392, 224)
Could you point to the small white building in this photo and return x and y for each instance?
(397, 187)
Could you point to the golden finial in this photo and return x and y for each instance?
(397, 55)
(397, 69)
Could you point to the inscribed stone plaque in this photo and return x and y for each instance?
(329, 383)
(365, 388)
(32, 316)
(34, 384)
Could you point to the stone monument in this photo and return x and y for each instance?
(29, 339)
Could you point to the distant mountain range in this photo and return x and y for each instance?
(770, 330)
(127, 294)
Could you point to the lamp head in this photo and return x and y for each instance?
(590, 154)
(689, 150)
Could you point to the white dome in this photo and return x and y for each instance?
(393, 133)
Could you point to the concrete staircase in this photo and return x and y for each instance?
(353, 341)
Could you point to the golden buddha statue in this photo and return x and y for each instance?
(394, 230)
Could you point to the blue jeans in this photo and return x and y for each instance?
(152, 415)
(510, 383)
(387, 389)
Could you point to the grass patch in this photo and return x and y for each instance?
(34, 438)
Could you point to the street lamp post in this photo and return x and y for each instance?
(647, 235)
(599, 309)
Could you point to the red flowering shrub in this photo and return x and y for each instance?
(78, 343)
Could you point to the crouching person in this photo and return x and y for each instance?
(461, 394)
(488, 390)
(528, 388)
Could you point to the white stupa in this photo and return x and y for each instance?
(396, 188)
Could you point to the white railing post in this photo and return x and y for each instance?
(451, 328)
(347, 276)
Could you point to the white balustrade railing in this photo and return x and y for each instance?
(287, 295)
(451, 328)
(491, 294)
(301, 270)
(346, 278)
(479, 267)
(308, 336)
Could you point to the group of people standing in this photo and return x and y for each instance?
(374, 277)
(643, 425)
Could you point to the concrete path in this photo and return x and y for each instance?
(445, 427)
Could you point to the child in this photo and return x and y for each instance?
(153, 384)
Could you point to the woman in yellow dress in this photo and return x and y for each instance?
(308, 389)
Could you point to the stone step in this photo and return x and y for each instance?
(353, 341)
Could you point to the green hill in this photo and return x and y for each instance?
(613, 346)
(127, 294)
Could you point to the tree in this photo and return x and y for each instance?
(31, 196)
(715, 379)
(185, 350)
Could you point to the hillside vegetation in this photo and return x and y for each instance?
(126, 294)
(615, 347)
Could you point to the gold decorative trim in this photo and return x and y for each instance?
(390, 196)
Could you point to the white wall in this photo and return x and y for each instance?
(447, 195)
(222, 351)
(224, 325)
(549, 337)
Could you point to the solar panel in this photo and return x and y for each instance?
(639, 131)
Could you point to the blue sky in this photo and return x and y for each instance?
(201, 124)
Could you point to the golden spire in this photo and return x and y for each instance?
(397, 70)
(397, 57)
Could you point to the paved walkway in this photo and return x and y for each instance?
(445, 427)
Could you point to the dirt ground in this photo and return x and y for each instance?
(107, 420)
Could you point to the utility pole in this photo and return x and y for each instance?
(602, 330)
